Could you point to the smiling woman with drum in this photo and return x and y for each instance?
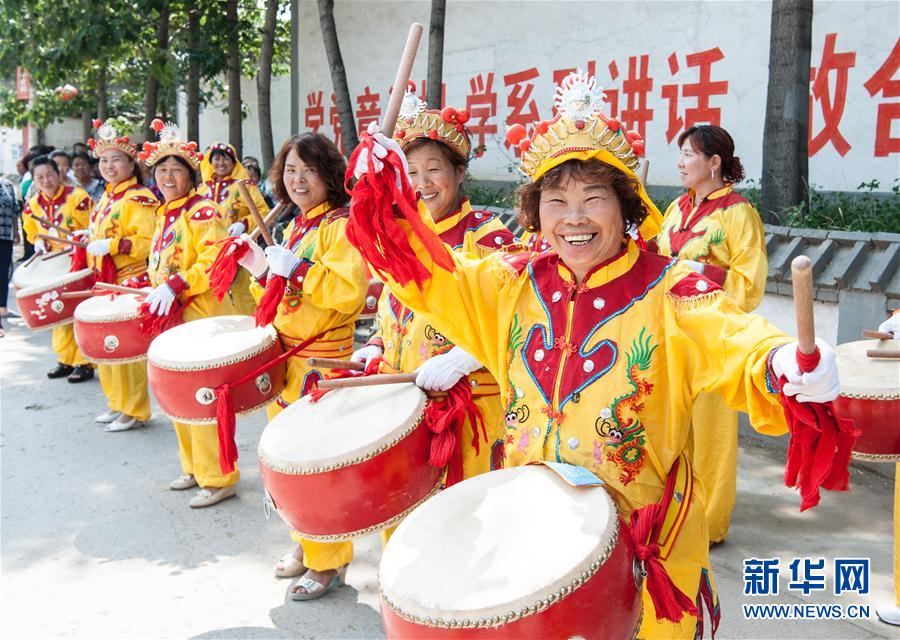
(324, 292)
(69, 207)
(605, 344)
(184, 246)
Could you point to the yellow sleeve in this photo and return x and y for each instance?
(137, 223)
(745, 280)
(203, 237)
(336, 280)
(712, 328)
(381, 316)
(29, 224)
(80, 206)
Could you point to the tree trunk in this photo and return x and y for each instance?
(264, 84)
(435, 54)
(338, 75)
(101, 92)
(157, 60)
(85, 124)
(193, 81)
(785, 161)
(235, 115)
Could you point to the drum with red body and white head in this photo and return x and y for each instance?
(39, 285)
(514, 553)
(108, 329)
(186, 363)
(353, 462)
(870, 395)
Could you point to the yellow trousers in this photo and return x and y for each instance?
(198, 447)
(715, 428)
(125, 387)
(67, 351)
(240, 293)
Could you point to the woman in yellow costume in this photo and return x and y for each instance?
(438, 147)
(220, 172)
(184, 246)
(605, 344)
(323, 295)
(69, 207)
(119, 242)
(719, 234)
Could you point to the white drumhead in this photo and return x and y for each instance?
(864, 376)
(41, 274)
(209, 342)
(343, 426)
(109, 308)
(494, 544)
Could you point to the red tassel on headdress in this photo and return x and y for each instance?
(819, 449)
(225, 268)
(267, 307)
(79, 259)
(445, 419)
(373, 227)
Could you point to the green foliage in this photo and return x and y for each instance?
(485, 195)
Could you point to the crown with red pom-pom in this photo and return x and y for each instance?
(579, 127)
(447, 125)
(106, 137)
(170, 144)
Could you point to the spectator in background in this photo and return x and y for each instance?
(10, 208)
(26, 186)
(64, 161)
(83, 168)
(79, 147)
(251, 164)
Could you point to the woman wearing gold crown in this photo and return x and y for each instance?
(605, 344)
(719, 234)
(119, 242)
(68, 207)
(220, 171)
(184, 246)
(320, 287)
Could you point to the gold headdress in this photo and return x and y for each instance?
(447, 125)
(107, 138)
(170, 144)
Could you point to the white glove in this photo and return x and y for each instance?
(439, 373)
(99, 247)
(81, 234)
(693, 264)
(161, 299)
(366, 354)
(281, 261)
(819, 385)
(379, 151)
(892, 326)
(40, 246)
(253, 261)
(236, 228)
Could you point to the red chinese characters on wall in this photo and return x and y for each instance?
(367, 110)
(522, 107)
(482, 105)
(334, 118)
(830, 97)
(702, 91)
(885, 82)
(315, 112)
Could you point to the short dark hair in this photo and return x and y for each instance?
(222, 151)
(56, 153)
(81, 155)
(318, 152)
(195, 179)
(711, 140)
(626, 188)
(44, 160)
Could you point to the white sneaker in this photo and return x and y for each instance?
(109, 416)
(889, 614)
(113, 427)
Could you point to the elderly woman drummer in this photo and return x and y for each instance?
(184, 246)
(605, 344)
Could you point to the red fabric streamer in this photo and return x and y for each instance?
(267, 308)
(153, 325)
(225, 267)
(373, 228)
(445, 419)
(669, 601)
(820, 445)
(225, 418)
(79, 259)
(107, 272)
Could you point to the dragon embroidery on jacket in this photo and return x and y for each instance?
(620, 427)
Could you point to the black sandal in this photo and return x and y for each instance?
(61, 371)
(81, 373)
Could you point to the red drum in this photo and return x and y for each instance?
(38, 288)
(870, 395)
(108, 329)
(352, 463)
(186, 363)
(514, 553)
(373, 293)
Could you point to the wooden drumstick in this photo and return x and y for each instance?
(51, 225)
(883, 353)
(120, 289)
(74, 243)
(366, 381)
(56, 254)
(801, 278)
(401, 80)
(257, 218)
(272, 217)
(644, 171)
(32, 259)
(877, 335)
(333, 363)
(75, 295)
